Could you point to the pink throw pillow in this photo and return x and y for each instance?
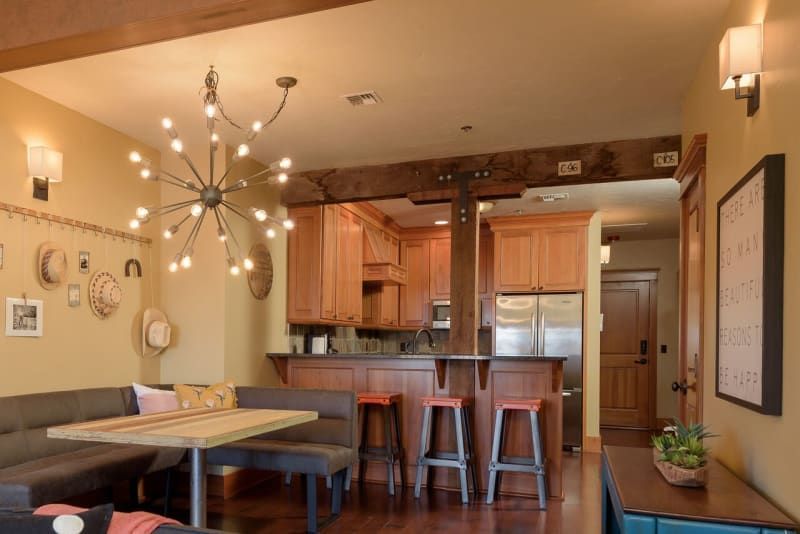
(152, 400)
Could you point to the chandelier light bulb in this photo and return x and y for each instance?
(186, 261)
(271, 233)
(196, 210)
(142, 213)
(168, 234)
(257, 126)
(134, 224)
(166, 123)
(135, 157)
(215, 139)
(283, 178)
(285, 163)
(221, 235)
(173, 267)
(248, 264)
(145, 173)
(243, 150)
(260, 215)
(211, 110)
(177, 145)
(288, 224)
(232, 267)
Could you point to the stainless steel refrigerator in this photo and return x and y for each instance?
(547, 325)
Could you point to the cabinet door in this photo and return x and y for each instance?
(485, 265)
(414, 297)
(440, 269)
(330, 251)
(562, 258)
(304, 258)
(355, 256)
(515, 260)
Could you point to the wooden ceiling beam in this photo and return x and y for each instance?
(37, 33)
(611, 161)
(486, 192)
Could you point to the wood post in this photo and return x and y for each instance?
(464, 308)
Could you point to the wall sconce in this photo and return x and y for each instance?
(740, 56)
(44, 166)
(605, 254)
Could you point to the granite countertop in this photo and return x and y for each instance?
(407, 356)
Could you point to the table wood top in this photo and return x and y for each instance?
(725, 499)
(200, 428)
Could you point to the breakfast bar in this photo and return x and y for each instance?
(481, 378)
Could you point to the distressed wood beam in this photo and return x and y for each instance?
(464, 306)
(37, 32)
(610, 161)
(489, 192)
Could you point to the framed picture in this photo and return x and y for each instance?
(750, 230)
(24, 317)
(74, 295)
(83, 262)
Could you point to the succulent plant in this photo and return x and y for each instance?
(683, 445)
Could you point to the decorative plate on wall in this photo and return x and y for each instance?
(260, 277)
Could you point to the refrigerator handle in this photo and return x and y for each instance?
(534, 336)
(541, 336)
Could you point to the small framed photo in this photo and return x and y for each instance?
(24, 317)
(74, 295)
(83, 262)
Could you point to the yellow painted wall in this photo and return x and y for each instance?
(254, 327)
(591, 331)
(101, 187)
(661, 254)
(760, 448)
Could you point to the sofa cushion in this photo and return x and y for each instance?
(312, 458)
(59, 476)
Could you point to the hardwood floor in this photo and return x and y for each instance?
(272, 507)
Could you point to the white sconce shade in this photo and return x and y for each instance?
(740, 55)
(45, 163)
(605, 254)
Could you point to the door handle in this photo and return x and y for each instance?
(643, 347)
(642, 361)
(683, 387)
(534, 336)
(541, 336)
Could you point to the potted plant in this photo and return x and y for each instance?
(679, 454)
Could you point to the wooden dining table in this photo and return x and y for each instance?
(195, 429)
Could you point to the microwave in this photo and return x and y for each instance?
(441, 314)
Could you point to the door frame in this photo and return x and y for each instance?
(691, 175)
(643, 275)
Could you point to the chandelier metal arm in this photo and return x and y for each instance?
(191, 232)
(187, 184)
(188, 161)
(197, 232)
(234, 209)
(236, 186)
(230, 232)
(180, 204)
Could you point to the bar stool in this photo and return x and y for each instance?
(393, 449)
(520, 465)
(463, 460)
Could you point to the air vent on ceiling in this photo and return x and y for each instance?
(552, 197)
(367, 98)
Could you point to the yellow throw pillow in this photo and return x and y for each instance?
(222, 395)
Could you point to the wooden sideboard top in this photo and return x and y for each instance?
(423, 356)
(726, 498)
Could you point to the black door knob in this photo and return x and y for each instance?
(642, 361)
(683, 387)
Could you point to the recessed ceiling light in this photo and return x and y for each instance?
(486, 205)
(440, 223)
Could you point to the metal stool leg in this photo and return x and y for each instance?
(538, 460)
(362, 448)
(423, 443)
(400, 452)
(433, 424)
(287, 478)
(498, 432)
(387, 436)
(472, 462)
(462, 459)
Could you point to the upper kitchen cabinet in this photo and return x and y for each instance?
(540, 252)
(415, 256)
(440, 268)
(325, 266)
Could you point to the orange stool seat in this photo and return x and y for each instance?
(445, 402)
(527, 405)
(378, 397)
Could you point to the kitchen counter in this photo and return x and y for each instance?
(482, 378)
(424, 356)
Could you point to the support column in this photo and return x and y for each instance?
(464, 307)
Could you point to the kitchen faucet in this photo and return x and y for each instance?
(431, 343)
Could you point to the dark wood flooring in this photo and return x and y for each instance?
(272, 507)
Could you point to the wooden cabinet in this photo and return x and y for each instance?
(440, 269)
(381, 301)
(540, 253)
(325, 272)
(415, 256)
(486, 279)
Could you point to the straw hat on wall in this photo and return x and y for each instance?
(52, 265)
(156, 332)
(105, 295)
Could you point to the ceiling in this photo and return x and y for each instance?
(522, 73)
(621, 204)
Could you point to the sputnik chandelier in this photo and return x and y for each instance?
(212, 192)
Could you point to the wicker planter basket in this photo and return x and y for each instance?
(678, 476)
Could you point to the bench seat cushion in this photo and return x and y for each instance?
(53, 478)
(321, 459)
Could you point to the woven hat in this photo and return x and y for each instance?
(52, 265)
(105, 295)
(156, 332)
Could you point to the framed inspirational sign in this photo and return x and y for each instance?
(750, 289)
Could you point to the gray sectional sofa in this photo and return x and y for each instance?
(36, 470)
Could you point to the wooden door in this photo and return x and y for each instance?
(516, 256)
(627, 389)
(562, 258)
(330, 255)
(414, 297)
(355, 272)
(304, 257)
(440, 269)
